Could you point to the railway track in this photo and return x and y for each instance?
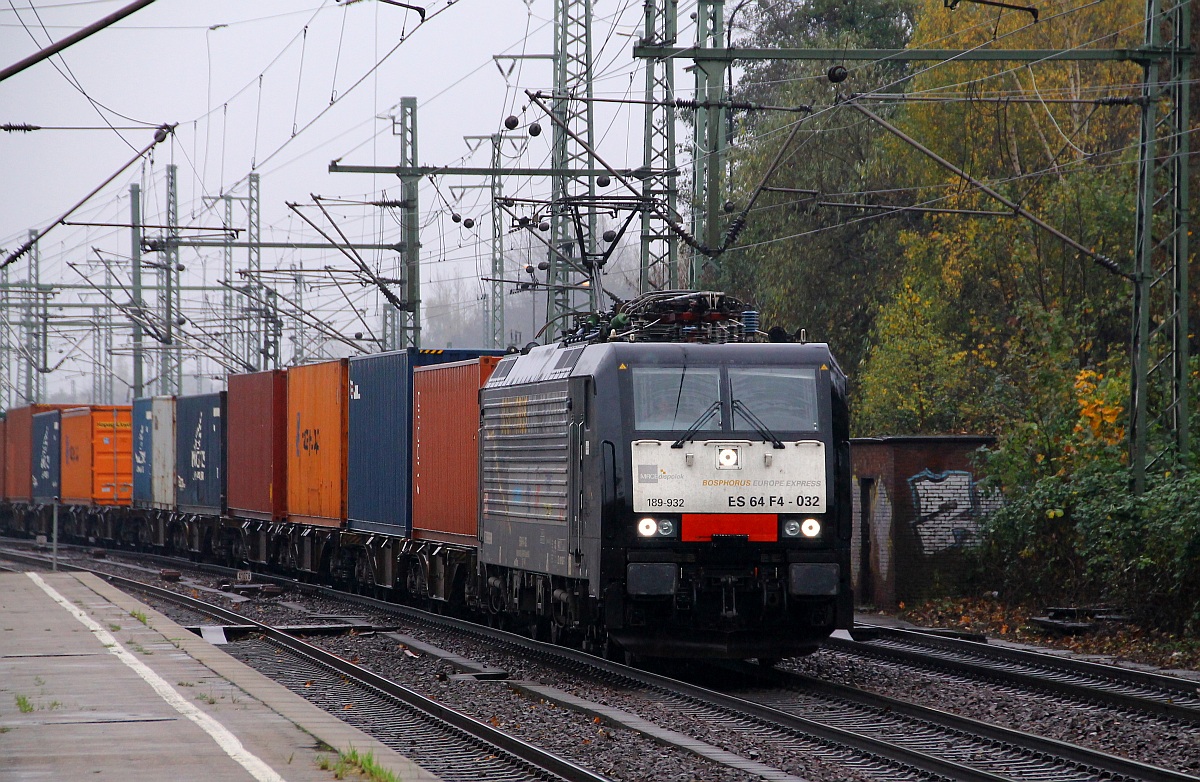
(1007, 753)
(1122, 688)
(872, 735)
(445, 742)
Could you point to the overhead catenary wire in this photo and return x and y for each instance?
(467, 245)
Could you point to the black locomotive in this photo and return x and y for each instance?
(688, 498)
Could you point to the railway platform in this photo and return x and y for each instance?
(95, 685)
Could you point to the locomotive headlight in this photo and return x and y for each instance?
(791, 528)
(647, 527)
(811, 528)
(666, 528)
(727, 459)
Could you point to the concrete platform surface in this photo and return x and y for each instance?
(95, 685)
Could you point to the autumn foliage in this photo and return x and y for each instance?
(951, 313)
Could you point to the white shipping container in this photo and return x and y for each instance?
(162, 410)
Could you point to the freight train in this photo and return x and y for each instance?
(659, 482)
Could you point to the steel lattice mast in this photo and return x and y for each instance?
(170, 376)
(708, 139)
(573, 107)
(409, 322)
(496, 299)
(1159, 388)
(659, 245)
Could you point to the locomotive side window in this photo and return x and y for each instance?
(673, 398)
(782, 398)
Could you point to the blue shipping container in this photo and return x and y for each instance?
(379, 480)
(143, 452)
(200, 453)
(47, 456)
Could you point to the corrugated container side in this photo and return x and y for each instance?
(112, 466)
(257, 438)
(18, 469)
(143, 451)
(380, 437)
(200, 453)
(316, 443)
(97, 455)
(18, 484)
(77, 456)
(446, 449)
(162, 455)
(380, 421)
(47, 456)
(3, 457)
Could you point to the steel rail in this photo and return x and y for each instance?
(564, 657)
(528, 753)
(568, 658)
(1075, 753)
(1165, 696)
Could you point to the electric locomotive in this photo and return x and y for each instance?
(665, 483)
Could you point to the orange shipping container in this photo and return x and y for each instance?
(97, 455)
(18, 451)
(446, 449)
(317, 424)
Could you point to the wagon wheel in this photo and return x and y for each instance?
(364, 576)
(414, 581)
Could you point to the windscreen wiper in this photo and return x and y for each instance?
(701, 421)
(757, 423)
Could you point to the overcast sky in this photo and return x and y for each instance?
(282, 88)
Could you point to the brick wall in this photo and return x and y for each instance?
(916, 510)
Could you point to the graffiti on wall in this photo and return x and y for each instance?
(948, 508)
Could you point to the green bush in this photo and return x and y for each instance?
(1088, 538)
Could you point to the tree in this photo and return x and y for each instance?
(806, 265)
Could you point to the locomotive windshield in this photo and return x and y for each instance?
(673, 398)
(784, 399)
(777, 398)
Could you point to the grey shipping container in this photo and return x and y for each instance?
(143, 452)
(47, 456)
(200, 453)
(379, 480)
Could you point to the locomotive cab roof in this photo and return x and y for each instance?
(560, 361)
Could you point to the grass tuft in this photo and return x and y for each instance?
(362, 765)
(23, 704)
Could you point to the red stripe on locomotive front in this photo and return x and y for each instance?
(700, 527)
